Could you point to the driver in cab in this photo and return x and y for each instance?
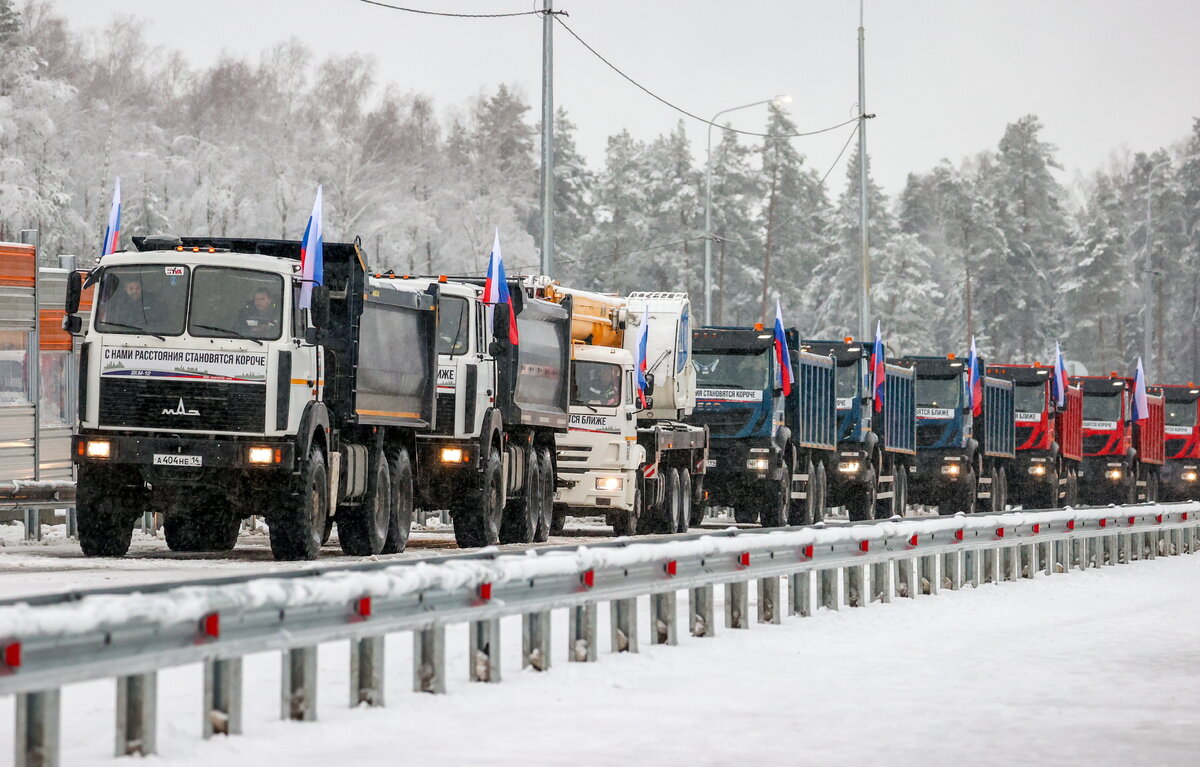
(598, 385)
(260, 315)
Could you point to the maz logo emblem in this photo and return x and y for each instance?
(180, 410)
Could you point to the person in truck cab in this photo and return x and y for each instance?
(597, 385)
(130, 306)
(260, 315)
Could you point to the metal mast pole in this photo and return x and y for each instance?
(708, 231)
(547, 137)
(864, 311)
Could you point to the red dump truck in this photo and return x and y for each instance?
(1122, 459)
(1049, 461)
(1180, 477)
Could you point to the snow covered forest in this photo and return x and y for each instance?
(992, 244)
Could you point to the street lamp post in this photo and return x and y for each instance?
(708, 235)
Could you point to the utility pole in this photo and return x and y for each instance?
(547, 137)
(864, 310)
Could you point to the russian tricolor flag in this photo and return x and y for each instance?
(312, 254)
(975, 383)
(1141, 408)
(495, 289)
(112, 235)
(878, 366)
(1058, 382)
(643, 336)
(782, 356)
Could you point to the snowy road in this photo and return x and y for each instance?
(1091, 668)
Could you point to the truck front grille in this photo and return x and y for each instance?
(724, 423)
(444, 414)
(149, 403)
(930, 434)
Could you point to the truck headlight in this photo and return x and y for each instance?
(1114, 474)
(262, 455)
(1038, 470)
(99, 448)
(453, 455)
(951, 469)
(610, 484)
(1190, 476)
(758, 464)
(849, 467)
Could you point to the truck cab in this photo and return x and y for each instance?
(1120, 458)
(1180, 479)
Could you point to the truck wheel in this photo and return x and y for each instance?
(521, 514)
(402, 502)
(627, 523)
(1152, 488)
(698, 507)
(546, 512)
(663, 518)
(861, 504)
(363, 529)
(962, 498)
(477, 511)
(822, 491)
(297, 526)
(558, 519)
(1072, 496)
(105, 529)
(1050, 497)
(774, 501)
(685, 500)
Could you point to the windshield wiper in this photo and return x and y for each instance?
(232, 333)
(138, 328)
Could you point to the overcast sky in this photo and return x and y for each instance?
(943, 76)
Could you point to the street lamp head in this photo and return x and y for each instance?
(781, 99)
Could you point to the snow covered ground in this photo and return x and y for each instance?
(1087, 668)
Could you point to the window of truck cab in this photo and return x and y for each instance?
(943, 392)
(733, 369)
(1180, 414)
(142, 299)
(454, 326)
(232, 302)
(595, 384)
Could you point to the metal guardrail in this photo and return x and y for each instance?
(133, 635)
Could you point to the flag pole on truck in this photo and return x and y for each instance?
(312, 254)
(1059, 379)
(1141, 408)
(878, 367)
(495, 289)
(112, 233)
(782, 355)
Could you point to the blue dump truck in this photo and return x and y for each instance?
(963, 460)
(876, 449)
(769, 453)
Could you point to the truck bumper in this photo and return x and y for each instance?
(732, 469)
(180, 460)
(847, 473)
(1106, 479)
(578, 490)
(1179, 480)
(446, 468)
(938, 476)
(1029, 479)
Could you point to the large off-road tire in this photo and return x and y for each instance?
(363, 529)
(521, 514)
(546, 512)
(105, 528)
(477, 510)
(297, 525)
(964, 496)
(664, 517)
(699, 506)
(1072, 486)
(685, 500)
(773, 500)
(402, 501)
(558, 519)
(1152, 487)
(626, 523)
(861, 503)
(1049, 498)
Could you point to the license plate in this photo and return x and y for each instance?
(710, 462)
(173, 459)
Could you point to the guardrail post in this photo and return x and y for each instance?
(800, 594)
(883, 584)
(484, 650)
(429, 660)
(1080, 552)
(737, 605)
(906, 577)
(366, 671)
(1151, 538)
(1191, 539)
(581, 629)
(299, 699)
(72, 523)
(973, 565)
(829, 588)
(856, 586)
(768, 600)
(623, 624)
(952, 565)
(991, 565)
(1123, 548)
(664, 624)
(701, 614)
(1029, 563)
(535, 640)
(150, 523)
(137, 700)
(33, 524)
(222, 697)
(1049, 559)
(36, 741)
(929, 575)
(1112, 545)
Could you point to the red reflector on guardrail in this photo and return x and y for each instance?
(999, 532)
(744, 559)
(1070, 524)
(363, 607)
(12, 655)
(1037, 528)
(485, 591)
(864, 546)
(958, 535)
(588, 579)
(1132, 520)
(808, 552)
(1184, 515)
(210, 625)
(1103, 522)
(912, 541)
(1158, 519)
(672, 567)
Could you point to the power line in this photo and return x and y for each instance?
(598, 256)
(424, 12)
(692, 115)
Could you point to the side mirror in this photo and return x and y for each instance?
(320, 307)
(314, 336)
(73, 324)
(74, 291)
(649, 384)
(778, 391)
(496, 347)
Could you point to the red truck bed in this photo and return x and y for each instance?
(1149, 436)
(1069, 425)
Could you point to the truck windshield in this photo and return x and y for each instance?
(596, 384)
(229, 302)
(1102, 407)
(749, 369)
(847, 379)
(148, 298)
(941, 393)
(1029, 398)
(454, 327)
(1181, 414)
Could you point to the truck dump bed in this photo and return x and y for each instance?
(812, 405)
(396, 376)
(899, 422)
(1069, 425)
(1149, 436)
(998, 436)
(534, 376)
